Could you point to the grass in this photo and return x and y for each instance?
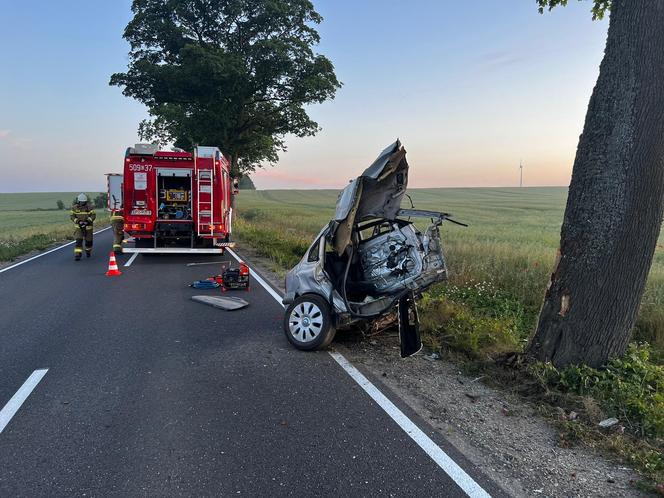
(31, 221)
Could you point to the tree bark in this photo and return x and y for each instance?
(616, 199)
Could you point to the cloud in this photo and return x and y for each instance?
(4, 133)
(501, 58)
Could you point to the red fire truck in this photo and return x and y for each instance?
(174, 201)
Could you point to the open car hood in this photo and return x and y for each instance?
(376, 193)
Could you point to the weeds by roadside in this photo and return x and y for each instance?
(11, 248)
(284, 248)
(478, 319)
(630, 389)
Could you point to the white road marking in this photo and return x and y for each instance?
(47, 252)
(442, 459)
(131, 260)
(19, 398)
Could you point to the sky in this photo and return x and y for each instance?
(471, 88)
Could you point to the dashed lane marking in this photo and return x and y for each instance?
(19, 398)
(131, 260)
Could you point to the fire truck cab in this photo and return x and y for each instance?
(175, 201)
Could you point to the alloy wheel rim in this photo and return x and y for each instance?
(305, 321)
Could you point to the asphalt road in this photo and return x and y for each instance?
(151, 394)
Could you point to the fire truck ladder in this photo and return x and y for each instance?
(205, 202)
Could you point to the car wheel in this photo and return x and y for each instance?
(308, 324)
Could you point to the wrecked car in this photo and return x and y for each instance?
(369, 261)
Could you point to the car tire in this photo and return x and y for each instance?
(308, 323)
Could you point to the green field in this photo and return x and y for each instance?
(510, 244)
(30, 221)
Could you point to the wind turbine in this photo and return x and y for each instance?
(520, 173)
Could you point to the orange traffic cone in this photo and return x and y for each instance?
(113, 267)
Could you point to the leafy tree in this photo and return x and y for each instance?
(236, 74)
(246, 183)
(600, 7)
(616, 196)
(60, 204)
(101, 201)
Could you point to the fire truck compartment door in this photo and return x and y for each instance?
(115, 191)
(174, 172)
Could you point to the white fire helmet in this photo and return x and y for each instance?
(82, 198)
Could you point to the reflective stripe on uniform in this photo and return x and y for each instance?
(78, 249)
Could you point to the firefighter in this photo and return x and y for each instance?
(117, 224)
(83, 217)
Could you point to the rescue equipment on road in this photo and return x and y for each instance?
(204, 284)
(235, 278)
(229, 279)
(113, 270)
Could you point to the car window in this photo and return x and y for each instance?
(314, 252)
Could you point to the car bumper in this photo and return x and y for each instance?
(289, 297)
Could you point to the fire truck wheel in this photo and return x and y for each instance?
(308, 324)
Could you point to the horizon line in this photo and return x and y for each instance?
(296, 188)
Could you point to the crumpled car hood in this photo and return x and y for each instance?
(376, 193)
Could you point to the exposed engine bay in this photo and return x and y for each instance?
(394, 260)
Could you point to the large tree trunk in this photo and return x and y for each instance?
(616, 198)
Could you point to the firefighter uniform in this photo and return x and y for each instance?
(117, 225)
(83, 216)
